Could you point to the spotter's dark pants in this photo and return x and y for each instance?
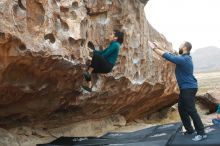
(187, 110)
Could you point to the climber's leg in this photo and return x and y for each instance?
(87, 75)
(98, 65)
(95, 65)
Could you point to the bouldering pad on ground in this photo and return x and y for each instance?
(162, 135)
(153, 136)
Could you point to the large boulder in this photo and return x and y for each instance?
(43, 52)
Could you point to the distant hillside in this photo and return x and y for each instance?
(206, 59)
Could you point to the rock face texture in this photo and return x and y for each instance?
(43, 52)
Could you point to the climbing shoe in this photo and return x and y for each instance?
(87, 76)
(200, 137)
(87, 88)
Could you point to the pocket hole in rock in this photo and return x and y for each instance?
(73, 57)
(82, 43)
(64, 9)
(72, 41)
(74, 15)
(75, 5)
(15, 9)
(64, 25)
(51, 37)
(22, 47)
(2, 35)
(21, 5)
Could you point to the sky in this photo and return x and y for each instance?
(196, 21)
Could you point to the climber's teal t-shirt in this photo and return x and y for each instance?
(218, 110)
(111, 52)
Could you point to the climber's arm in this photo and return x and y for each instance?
(155, 47)
(91, 47)
(168, 56)
(113, 48)
(98, 52)
(159, 51)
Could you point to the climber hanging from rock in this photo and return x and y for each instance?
(103, 61)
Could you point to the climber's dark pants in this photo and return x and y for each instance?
(100, 64)
(187, 110)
